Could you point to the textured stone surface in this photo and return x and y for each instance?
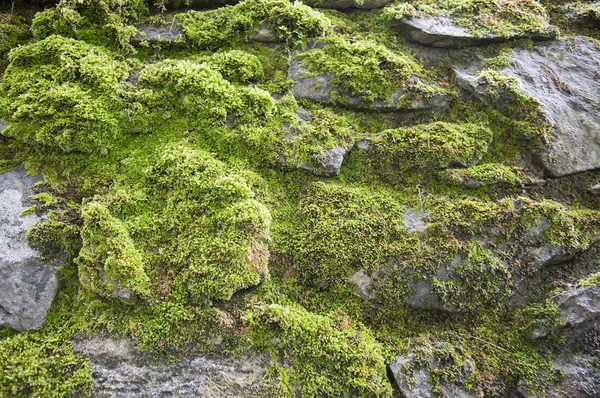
(443, 32)
(414, 380)
(3, 125)
(320, 88)
(119, 370)
(579, 305)
(563, 77)
(169, 33)
(27, 285)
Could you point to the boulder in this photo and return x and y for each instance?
(439, 31)
(343, 4)
(321, 88)
(119, 369)
(563, 77)
(27, 285)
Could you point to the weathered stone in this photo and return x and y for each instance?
(436, 31)
(265, 34)
(343, 4)
(3, 125)
(580, 305)
(583, 15)
(330, 160)
(563, 77)
(27, 285)
(321, 88)
(413, 220)
(166, 34)
(414, 379)
(363, 285)
(119, 369)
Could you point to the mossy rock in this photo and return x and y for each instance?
(186, 217)
(64, 94)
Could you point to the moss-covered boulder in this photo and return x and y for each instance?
(187, 224)
(315, 355)
(64, 94)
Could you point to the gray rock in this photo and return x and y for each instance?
(414, 379)
(363, 285)
(166, 34)
(119, 369)
(3, 125)
(595, 189)
(343, 4)
(563, 76)
(436, 31)
(27, 285)
(588, 17)
(265, 34)
(413, 220)
(579, 305)
(320, 88)
(330, 160)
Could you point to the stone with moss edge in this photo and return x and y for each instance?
(27, 284)
(563, 78)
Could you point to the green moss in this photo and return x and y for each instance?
(315, 355)
(13, 31)
(479, 280)
(185, 218)
(38, 365)
(237, 66)
(291, 22)
(432, 146)
(64, 94)
(483, 175)
(481, 17)
(365, 68)
(114, 18)
(109, 263)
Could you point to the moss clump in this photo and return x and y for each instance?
(437, 145)
(483, 175)
(109, 263)
(112, 17)
(64, 94)
(482, 17)
(480, 280)
(13, 31)
(365, 68)
(315, 355)
(291, 22)
(187, 222)
(344, 229)
(237, 66)
(37, 365)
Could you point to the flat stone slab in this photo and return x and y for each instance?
(119, 369)
(439, 31)
(564, 77)
(27, 285)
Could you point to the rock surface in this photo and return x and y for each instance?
(413, 378)
(27, 285)
(563, 77)
(580, 305)
(445, 33)
(167, 34)
(119, 369)
(320, 88)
